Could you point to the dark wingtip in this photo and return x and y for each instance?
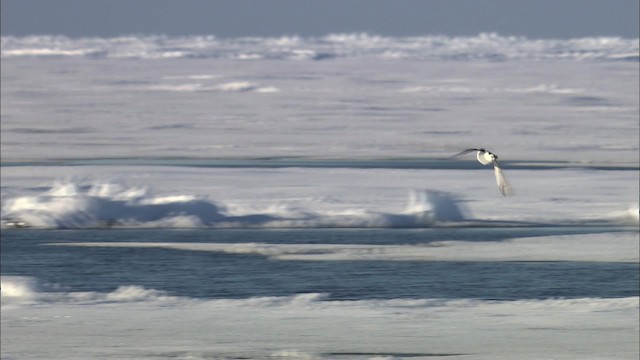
(463, 152)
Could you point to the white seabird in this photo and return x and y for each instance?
(486, 157)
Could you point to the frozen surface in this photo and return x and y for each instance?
(144, 323)
(158, 132)
(341, 96)
(122, 104)
(156, 196)
(489, 46)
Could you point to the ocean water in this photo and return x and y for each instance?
(295, 198)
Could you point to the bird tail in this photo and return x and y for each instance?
(503, 184)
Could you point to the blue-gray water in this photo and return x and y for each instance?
(205, 274)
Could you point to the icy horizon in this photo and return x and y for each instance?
(484, 46)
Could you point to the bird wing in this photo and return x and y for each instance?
(503, 184)
(464, 152)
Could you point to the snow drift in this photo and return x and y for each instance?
(69, 205)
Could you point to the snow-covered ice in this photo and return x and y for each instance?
(344, 130)
(144, 323)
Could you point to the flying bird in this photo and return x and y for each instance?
(486, 157)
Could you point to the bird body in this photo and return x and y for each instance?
(486, 157)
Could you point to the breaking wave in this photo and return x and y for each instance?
(487, 46)
(74, 205)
